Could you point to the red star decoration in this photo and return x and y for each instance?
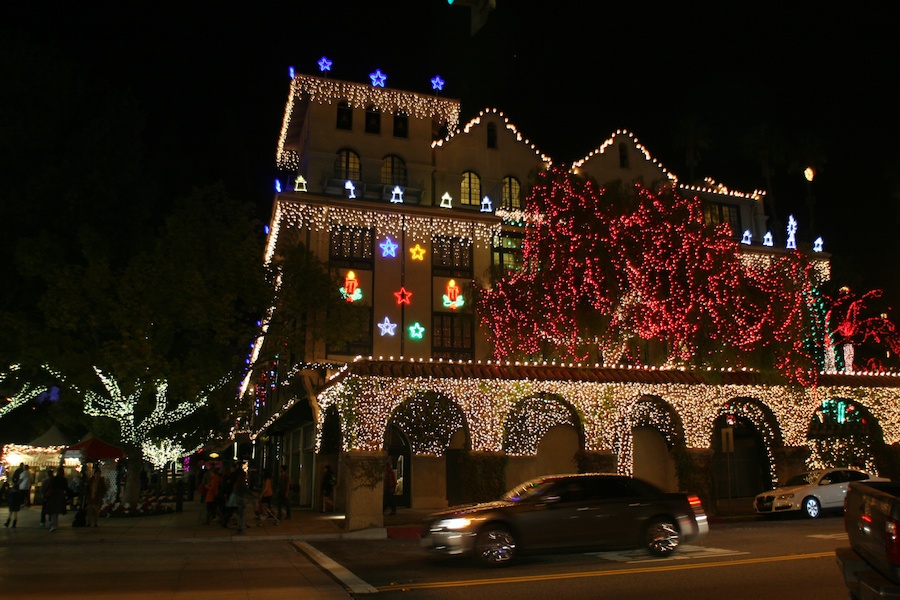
(403, 296)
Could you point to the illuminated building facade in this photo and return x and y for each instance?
(414, 211)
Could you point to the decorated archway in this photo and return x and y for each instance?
(545, 428)
(427, 423)
(843, 433)
(646, 438)
(745, 434)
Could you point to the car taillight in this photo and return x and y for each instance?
(892, 540)
(696, 505)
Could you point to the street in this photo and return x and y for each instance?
(751, 559)
(781, 558)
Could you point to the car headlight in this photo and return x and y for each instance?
(785, 496)
(453, 524)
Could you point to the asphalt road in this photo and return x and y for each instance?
(777, 559)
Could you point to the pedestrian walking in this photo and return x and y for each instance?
(390, 486)
(212, 494)
(328, 483)
(94, 496)
(45, 478)
(58, 496)
(283, 500)
(241, 494)
(15, 505)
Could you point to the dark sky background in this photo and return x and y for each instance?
(213, 82)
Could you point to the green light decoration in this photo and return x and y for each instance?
(416, 331)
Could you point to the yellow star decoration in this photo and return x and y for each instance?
(417, 252)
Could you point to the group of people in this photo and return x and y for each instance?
(228, 494)
(55, 494)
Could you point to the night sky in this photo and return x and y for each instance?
(213, 82)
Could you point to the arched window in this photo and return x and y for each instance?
(492, 135)
(393, 170)
(344, 116)
(623, 155)
(373, 119)
(470, 191)
(512, 195)
(401, 125)
(346, 165)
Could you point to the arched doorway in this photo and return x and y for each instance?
(648, 434)
(425, 424)
(742, 459)
(396, 444)
(543, 434)
(843, 433)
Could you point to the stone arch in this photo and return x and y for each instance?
(649, 431)
(754, 435)
(420, 433)
(843, 432)
(430, 421)
(542, 434)
(530, 419)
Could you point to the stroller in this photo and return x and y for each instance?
(263, 512)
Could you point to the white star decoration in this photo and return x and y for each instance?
(386, 327)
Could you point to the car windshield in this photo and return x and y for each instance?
(803, 479)
(528, 490)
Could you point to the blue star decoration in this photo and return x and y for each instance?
(324, 64)
(386, 327)
(437, 83)
(378, 78)
(389, 248)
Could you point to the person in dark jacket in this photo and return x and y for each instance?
(58, 497)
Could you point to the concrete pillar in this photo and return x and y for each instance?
(360, 489)
(429, 482)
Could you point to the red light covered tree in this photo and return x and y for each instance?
(605, 268)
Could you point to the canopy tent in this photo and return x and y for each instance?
(94, 449)
(51, 437)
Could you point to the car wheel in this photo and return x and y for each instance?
(662, 537)
(495, 546)
(812, 508)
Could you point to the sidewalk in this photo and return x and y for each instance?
(188, 526)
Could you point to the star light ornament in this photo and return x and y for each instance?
(791, 233)
(446, 200)
(300, 184)
(748, 238)
(416, 331)
(403, 296)
(348, 185)
(324, 64)
(397, 195)
(486, 205)
(417, 252)
(767, 239)
(389, 248)
(818, 244)
(386, 327)
(378, 78)
(437, 83)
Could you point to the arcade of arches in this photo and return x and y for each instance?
(467, 432)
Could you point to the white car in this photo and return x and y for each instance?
(812, 492)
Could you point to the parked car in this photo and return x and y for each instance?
(593, 510)
(812, 492)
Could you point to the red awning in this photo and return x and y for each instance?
(95, 448)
